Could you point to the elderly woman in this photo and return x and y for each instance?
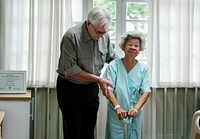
(131, 89)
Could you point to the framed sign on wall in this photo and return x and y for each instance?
(12, 81)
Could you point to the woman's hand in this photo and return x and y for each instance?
(121, 113)
(132, 113)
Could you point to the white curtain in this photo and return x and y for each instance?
(174, 57)
(31, 31)
(30, 35)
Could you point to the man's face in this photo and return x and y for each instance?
(95, 31)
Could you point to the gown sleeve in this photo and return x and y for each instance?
(145, 82)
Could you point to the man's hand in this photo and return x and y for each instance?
(104, 86)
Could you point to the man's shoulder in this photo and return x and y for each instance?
(74, 30)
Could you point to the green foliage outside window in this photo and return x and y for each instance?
(109, 5)
(137, 11)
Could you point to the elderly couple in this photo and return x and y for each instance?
(125, 83)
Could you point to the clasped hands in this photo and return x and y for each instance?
(121, 113)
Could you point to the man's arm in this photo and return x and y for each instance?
(103, 83)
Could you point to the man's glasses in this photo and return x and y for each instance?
(98, 32)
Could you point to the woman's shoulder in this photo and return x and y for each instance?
(142, 65)
(115, 62)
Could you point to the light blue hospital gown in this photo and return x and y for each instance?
(128, 88)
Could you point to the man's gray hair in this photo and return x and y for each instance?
(99, 15)
(133, 35)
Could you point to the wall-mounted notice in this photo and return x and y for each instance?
(12, 81)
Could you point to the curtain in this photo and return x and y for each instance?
(30, 35)
(31, 31)
(175, 52)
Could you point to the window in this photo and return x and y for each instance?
(77, 14)
(127, 15)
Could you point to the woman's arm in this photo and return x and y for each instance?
(121, 113)
(142, 100)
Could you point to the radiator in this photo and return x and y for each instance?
(46, 118)
(167, 114)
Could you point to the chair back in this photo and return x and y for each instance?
(195, 129)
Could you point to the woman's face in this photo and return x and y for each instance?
(131, 47)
